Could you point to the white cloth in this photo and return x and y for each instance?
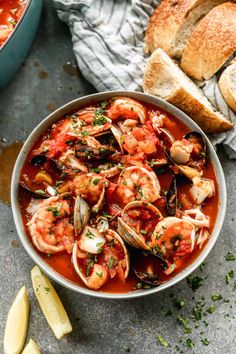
(107, 38)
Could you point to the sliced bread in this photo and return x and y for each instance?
(227, 85)
(172, 23)
(212, 42)
(164, 79)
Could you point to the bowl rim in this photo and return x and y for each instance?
(75, 104)
(16, 26)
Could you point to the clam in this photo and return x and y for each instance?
(91, 240)
(118, 135)
(136, 238)
(81, 214)
(102, 224)
(88, 267)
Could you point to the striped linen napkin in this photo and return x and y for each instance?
(107, 38)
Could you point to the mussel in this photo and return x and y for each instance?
(147, 277)
(87, 153)
(137, 238)
(171, 198)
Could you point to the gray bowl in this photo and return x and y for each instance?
(46, 123)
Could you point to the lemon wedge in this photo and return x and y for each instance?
(50, 304)
(31, 348)
(17, 323)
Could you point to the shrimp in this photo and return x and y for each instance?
(140, 140)
(50, 226)
(127, 108)
(91, 187)
(137, 183)
(173, 238)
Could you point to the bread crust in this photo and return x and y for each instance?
(170, 19)
(212, 42)
(227, 87)
(155, 76)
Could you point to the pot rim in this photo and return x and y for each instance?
(75, 104)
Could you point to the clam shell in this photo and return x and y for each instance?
(128, 234)
(81, 214)
(118, 135)
(115, 235)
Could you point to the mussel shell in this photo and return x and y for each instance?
(39, 160)
(41, 195)
(87, 152)
(146, 277)
(198, 138)
(171, 198)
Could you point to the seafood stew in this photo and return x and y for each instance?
(10, 13)
(119, 195)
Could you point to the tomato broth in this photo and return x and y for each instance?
(10, 14)
(140, 260)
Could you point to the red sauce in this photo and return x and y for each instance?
(10, 13)
(61, 262)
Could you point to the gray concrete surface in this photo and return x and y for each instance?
(102, 326)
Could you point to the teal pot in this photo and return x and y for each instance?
(16, 47)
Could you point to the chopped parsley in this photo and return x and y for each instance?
(89, 265)
(138, 286)
(216, 297)
(211, 309)
(179, 304)
(162, 341)
(228, 276)
(202, 266)
(184, 323)
(190, 343)
(40, 191)
(205, 341)
(89, 234)
(197, 312)
(12, 21)
(194, 282)
(111, 262)
(230, 257)
(103, 104)
(99, 274)
(96, 181)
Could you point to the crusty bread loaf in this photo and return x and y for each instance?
(227, 84)
(173, 22)
(212, 42)
(163, 78)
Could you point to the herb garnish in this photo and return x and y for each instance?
(194, 281)
(111, 262)
(162, 341)
(216, 297)
(205, 341)
(230, 257)
(228, 276)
